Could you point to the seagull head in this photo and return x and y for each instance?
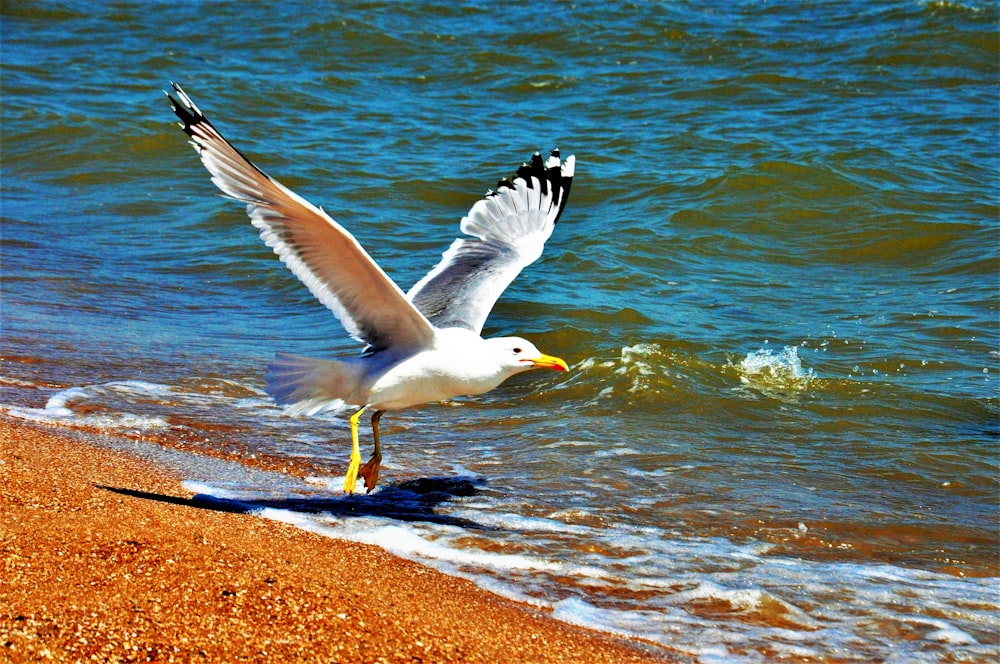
(516, 355)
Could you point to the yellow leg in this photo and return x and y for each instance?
(370, 470)
(351, 478)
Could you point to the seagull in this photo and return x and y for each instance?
(422, 346)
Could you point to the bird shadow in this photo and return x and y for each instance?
(409, 501)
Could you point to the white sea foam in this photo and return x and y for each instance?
(947, 633)
(137, 405)
(56, 405)
(522, 523)
(711, 598)
(576, 611)
(617, 452)
(750, 602)
(406, 543)
(98, 406)
(60, 415)
(210, 490)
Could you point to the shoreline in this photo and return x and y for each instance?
(105, 557)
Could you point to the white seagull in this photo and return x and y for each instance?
(422, 346)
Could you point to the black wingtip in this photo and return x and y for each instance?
(549, 175)
(185, 109)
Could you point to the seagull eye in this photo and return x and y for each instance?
(517, 351)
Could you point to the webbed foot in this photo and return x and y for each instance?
(370, 470)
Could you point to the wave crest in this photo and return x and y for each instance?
(773, 373)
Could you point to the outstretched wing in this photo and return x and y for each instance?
(319, 251)
(508, 229)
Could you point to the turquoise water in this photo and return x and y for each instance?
(776, 284)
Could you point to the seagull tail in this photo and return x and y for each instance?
(308, 386)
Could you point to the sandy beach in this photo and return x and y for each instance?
(105, 558)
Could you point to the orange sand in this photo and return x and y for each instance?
(92, 574)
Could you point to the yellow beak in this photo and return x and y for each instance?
(549, 362)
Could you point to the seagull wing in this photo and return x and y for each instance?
(320, 252)
(507, 231)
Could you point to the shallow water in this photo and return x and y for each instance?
(775, 283)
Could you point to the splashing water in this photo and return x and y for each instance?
(775, 373)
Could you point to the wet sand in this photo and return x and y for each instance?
(105, 559)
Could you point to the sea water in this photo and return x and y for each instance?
(775, 284)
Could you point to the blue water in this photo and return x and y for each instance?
(776, 283)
